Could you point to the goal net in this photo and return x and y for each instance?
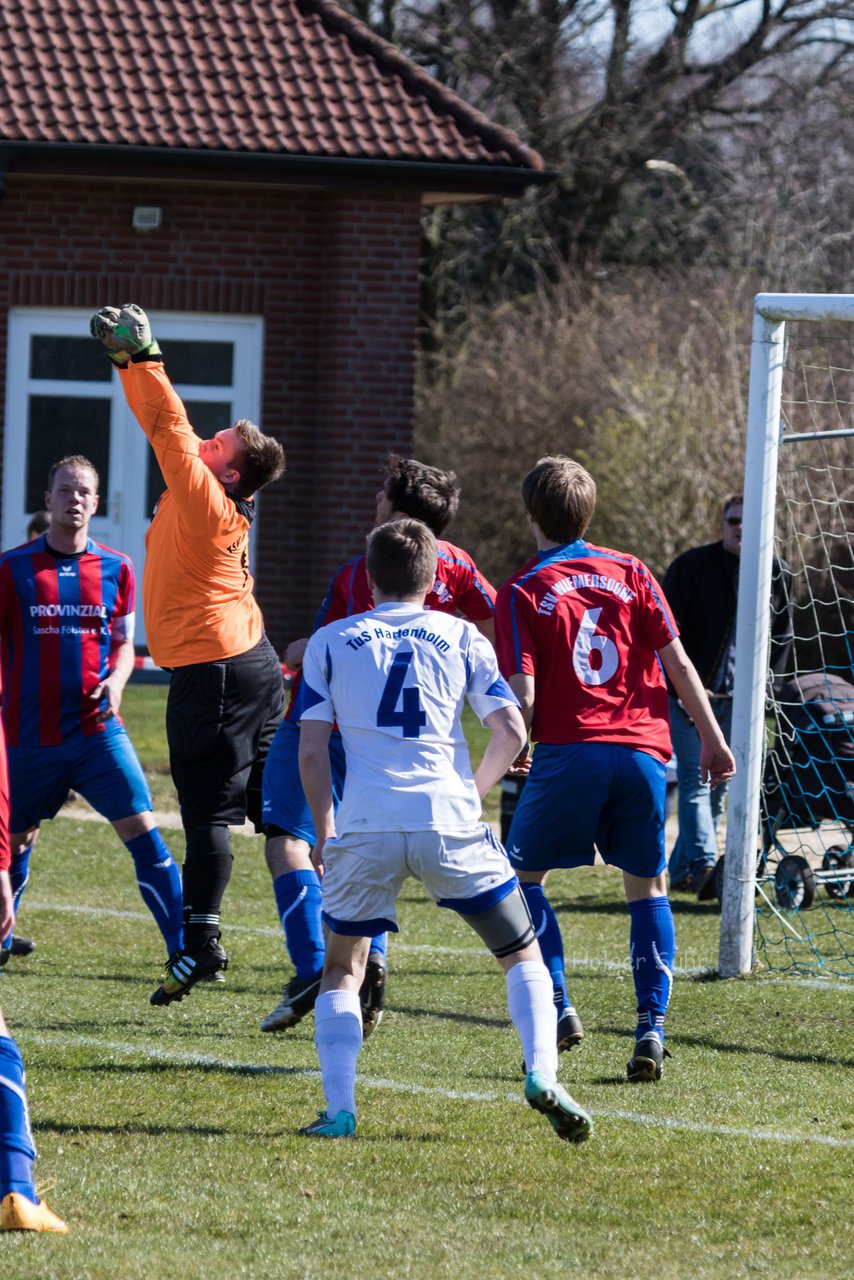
(788, 886)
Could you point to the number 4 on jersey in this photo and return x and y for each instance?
(410, 718)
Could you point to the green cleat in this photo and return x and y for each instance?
(569, 1121)
(341, 1125)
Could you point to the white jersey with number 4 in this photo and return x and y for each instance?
(395, 680)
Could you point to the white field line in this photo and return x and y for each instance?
(58, 1039)
(172, 820)
(429, 948)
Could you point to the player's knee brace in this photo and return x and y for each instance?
(506, 927)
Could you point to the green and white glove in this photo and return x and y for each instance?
(124, 331)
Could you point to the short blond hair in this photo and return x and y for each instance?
(74, 462)
(560, 495)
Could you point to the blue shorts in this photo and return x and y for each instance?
(103, 768)
(585, 794)
(283, 800)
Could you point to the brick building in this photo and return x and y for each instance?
(252, 172)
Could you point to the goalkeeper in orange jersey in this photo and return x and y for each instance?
(204, 625)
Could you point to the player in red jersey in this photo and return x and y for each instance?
(20, 1207)
(584, 635)
(425, 493)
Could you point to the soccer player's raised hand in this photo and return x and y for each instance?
(122, 329)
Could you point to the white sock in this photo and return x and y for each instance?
(530, 1000)
(338, 1039)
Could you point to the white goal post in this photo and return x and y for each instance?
(768, 353)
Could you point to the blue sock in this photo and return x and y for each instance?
(379, 945)
(653, 941)
(159, 881)
(17, 1151)
(550, 939)
(298, 900)
(19, 874)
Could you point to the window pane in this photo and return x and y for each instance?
(207, 418)
(71, 359)
(58, 426)
(199, 364)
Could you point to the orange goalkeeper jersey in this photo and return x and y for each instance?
(196, 585)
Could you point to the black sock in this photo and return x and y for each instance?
(207, 871)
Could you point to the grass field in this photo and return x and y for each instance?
(172, 1132)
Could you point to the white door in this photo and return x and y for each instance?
(63, 396)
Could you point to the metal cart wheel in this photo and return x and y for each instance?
(794, 883)
(837, 859)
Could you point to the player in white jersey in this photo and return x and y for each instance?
(395, 679)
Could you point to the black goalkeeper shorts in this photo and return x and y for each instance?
(220, 721)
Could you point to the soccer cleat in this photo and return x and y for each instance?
(17, 1213)
(569, 1121)
(185, 968)
(341, 1125)
(569, 1033)
(648, 1061)
(372, 993)
(16, 947)
(569, 1030)
(297, 1000)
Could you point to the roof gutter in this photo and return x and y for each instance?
(76, 159)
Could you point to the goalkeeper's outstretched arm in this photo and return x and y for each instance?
(125, 333)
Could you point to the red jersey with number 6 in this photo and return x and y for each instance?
(587, 623)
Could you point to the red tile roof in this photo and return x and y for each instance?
(294, 78)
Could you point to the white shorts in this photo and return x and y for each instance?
(364, 872)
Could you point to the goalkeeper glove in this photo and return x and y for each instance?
(124, 331)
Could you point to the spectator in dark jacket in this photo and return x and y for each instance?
(701, 586)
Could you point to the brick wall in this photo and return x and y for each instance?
(335, 277)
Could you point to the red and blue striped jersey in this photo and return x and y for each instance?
(587, 624)
(56, 620)
(5, 847)
(460, 588)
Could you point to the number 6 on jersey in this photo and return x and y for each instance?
(585, 643)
